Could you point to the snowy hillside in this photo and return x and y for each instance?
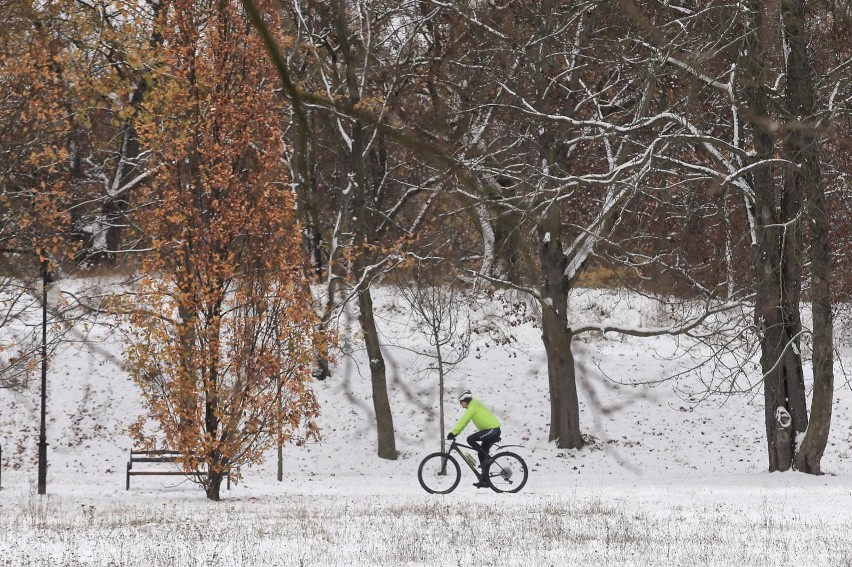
(658, 472)
(636, 431)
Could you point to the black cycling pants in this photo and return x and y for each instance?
(483, 440)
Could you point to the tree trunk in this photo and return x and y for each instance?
(361, 225)
(214, 485)
(791, 282)
(809, 455)
(772, 362)
(776, 269)
(801, 148)
(117, 200)
(564, 403)
(381, 402)
(440, 388)
(116, 206)
(778, 261)
(366, 317)
(278, 434)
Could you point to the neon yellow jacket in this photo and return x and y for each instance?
(482, 418)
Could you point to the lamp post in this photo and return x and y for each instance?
(42, 435)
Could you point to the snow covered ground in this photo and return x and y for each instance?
(665, 481)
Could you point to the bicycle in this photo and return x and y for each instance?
(440, 473)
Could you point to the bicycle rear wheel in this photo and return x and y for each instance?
(507, 473)
(439, 473)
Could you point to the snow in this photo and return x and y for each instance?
(667, 479)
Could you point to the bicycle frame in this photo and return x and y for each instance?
(466, 457)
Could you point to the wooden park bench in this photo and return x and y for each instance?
(160, 456)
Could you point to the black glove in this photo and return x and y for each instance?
(451, 436)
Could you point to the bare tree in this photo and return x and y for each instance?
(568, 146)
(364, 201)
(742, 56)
(438, 306)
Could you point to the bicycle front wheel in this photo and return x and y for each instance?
(439, 473)
(507, 473)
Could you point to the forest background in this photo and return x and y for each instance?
(255, 167)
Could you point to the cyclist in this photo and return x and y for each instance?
(482, 440)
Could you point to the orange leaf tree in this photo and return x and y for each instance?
(39, 123)
(224, 331)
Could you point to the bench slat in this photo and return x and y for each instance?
(133, 454)
(166, 473)
(160, 456)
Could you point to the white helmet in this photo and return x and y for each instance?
(465, 396)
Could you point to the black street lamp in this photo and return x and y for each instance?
(42, 435)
